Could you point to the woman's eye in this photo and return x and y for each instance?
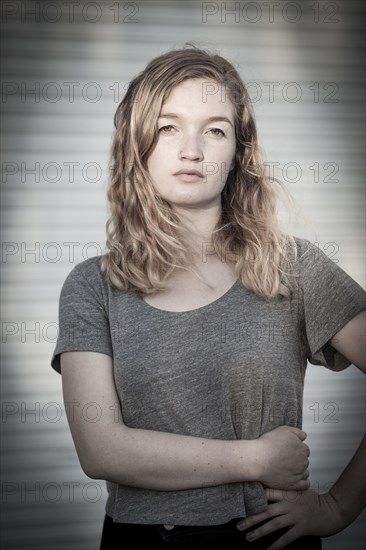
(217, 132)
(166, 129)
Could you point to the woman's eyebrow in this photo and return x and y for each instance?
(210, 119)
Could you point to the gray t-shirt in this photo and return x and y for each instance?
(233, 369)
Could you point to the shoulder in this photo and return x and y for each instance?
(303, 247)
(310, 255)
(319, 272)
(90, 268)
(87, 276)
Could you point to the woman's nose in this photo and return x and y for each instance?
(191, 149)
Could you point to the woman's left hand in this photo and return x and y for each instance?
(303, 513)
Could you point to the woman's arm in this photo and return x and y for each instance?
(110, 450)
(349, 490)
(309, 513)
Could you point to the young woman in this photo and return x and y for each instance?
(189, 339)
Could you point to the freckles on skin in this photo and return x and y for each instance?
(197, 133)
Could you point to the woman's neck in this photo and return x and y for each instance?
(199, 224)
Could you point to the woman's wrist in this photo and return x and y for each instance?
(246, 462)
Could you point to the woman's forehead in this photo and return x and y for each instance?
(199, 94)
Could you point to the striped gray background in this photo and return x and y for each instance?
(302, 62)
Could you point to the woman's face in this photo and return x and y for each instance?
(196, 145)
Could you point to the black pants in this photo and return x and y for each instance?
(123, 536)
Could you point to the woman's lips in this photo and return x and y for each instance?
(189, 175)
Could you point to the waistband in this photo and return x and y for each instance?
(215, 534)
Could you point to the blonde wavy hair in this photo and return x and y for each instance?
(146, 239)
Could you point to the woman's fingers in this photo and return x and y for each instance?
(252, 520)
(301, 485)
(279, 522)
(275, 495)
(299, 512)
(300, 433)
(273, 510)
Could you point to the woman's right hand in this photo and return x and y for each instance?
(282, 458)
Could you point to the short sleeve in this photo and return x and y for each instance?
(83, 320)
(331, 298)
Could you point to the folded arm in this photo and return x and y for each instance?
(110, 450)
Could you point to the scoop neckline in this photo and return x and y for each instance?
(210, 304)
